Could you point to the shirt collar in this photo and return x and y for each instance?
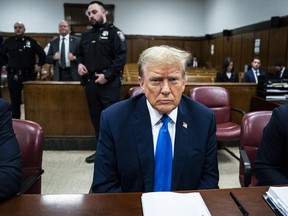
(66, 37)
(155, 116)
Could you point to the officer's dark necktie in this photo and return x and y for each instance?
(257, 73)
(163, 158)
(62, 54)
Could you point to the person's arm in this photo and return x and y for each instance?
(210, 174)
(50, 54)
(40, 53)
(106, 177)
(271, 164)
(120, 53)
(10, 157)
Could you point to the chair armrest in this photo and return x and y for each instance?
(238, 110)
(246, 167)
(29, 182)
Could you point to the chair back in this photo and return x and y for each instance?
(30, 137)
(135, 90)
(216, 98)
(252, 126)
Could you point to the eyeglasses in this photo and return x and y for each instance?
(18, 27)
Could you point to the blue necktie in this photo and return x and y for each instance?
(163, 158)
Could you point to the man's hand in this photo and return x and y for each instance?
(56, 56)
(82, 70)
(71, 57)
(100, 79)
(37, 68)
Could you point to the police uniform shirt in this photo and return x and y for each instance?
(103, 50)
(19, 53)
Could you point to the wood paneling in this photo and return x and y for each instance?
(264, 49)
(61, 107)
(137, 47)
(236, 52)
(247, 49)
(240, 46)
(277, 46)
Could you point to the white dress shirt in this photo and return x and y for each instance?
(156, 124)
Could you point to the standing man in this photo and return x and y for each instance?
(162, 140)
(102, 56)
(64, 46)
(18, 55)
(253, 74)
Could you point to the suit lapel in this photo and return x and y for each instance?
(71, 43)
(143, 134)
(180, 145)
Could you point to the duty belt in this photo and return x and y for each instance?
(20, 71)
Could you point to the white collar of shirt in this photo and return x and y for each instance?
(228, 74)
(66, 37)
(156, 124)
(282, 71)
(255, 74)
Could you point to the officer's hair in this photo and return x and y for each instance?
(163, 56)
(99, 3)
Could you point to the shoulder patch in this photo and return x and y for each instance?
(121, 35)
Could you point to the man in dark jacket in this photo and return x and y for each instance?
(18, 55)
(102, 56)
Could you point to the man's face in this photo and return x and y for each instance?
(96, 14)
(163, 87)
(19, 29)
(64, 28)
(256, 64)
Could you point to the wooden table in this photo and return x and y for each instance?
(218, 202)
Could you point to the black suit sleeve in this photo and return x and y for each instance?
(10, 157)
(271, 164)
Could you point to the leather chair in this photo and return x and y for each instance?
(30, 137)
(135, 90)
(252, 127)
(218, 100)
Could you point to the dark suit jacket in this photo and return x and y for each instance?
(125, 156)
(222, 77)
(54, 47)
(271, 163)
(249, 76)
(10, 157)
(285, 74)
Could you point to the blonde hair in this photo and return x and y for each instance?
(163, 55)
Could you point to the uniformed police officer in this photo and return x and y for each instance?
(18, 55)
(102, 56)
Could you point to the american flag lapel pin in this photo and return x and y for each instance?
(185, 125)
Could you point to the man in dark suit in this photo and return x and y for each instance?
(10, 157)
(281, 71)
(252, 74)
(129, 129)
(64, 69)
(271, 163)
